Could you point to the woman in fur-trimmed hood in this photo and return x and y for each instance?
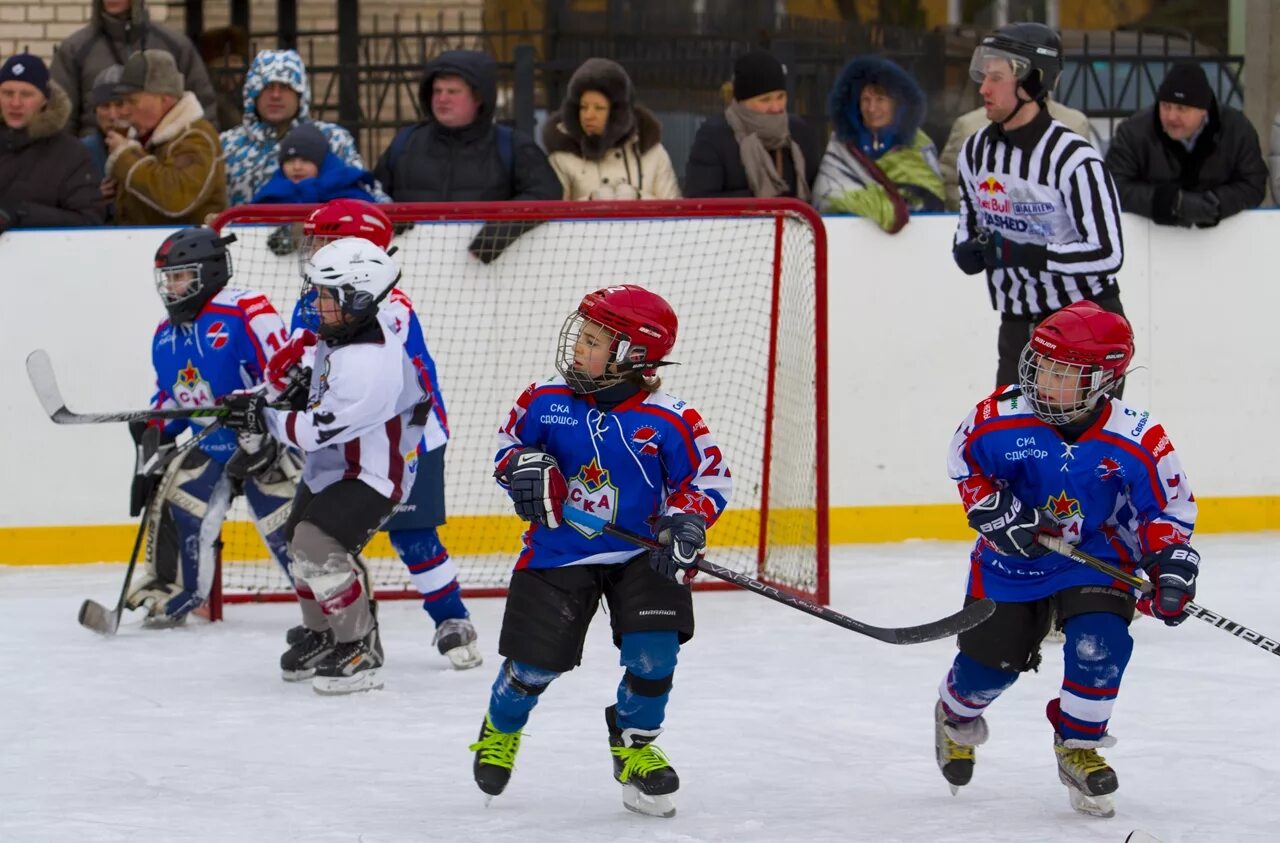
(603, 145)
(879, 163)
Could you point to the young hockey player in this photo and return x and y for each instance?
(603, 438)
(216, 340)
(359, 432)
(1059, 454)
(413, 530)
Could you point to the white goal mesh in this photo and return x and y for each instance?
(747, 282)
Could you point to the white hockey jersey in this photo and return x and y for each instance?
(364, 418)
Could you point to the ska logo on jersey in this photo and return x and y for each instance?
(591, 491)
(1065, 511)
(646, 441)
(190, 389)
(217, 335)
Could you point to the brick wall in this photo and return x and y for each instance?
(39, 26)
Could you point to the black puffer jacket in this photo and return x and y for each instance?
(1150, 167)
(46, 176)
(438, 164)
(715, 162)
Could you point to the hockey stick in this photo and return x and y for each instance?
(93, 615)
(967, 618)
(40, 373)
(1194, 610)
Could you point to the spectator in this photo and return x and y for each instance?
(172, 172)
(457, 154)
(109, 113)
(755, 148)
(46, 177)
(310, 173)
(604, 146)
(1187, 160)
(116, 30)
(879, 163)
(225, 50)
(276, 99)
(974, 121)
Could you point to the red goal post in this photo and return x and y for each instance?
(747, 279)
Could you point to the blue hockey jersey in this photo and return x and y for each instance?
(409, 330)
(224, 349)
(1118, 492)
(649, 456)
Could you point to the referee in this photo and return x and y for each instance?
(1038, 209)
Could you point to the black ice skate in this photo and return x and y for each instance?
(295, 633)
(350, 667)
(495, 758)
(306, 650)
(456, 640)
(1091, 783)
(954, 744)
(648, 780)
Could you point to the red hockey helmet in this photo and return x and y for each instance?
(340, 218)
(641, 329)
(1076, 356)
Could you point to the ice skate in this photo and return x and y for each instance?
(495, 758)
(456, 640)
(306, 650)
(954, 744)
(1091, 783)
(648, 780)
(350, 667)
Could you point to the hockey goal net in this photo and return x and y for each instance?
(747, 280)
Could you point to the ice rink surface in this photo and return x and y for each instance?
(782, 727)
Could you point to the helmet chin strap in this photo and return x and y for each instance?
(1016, 108)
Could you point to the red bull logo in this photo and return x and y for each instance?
(990, 186)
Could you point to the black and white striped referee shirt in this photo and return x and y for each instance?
(1042, 183)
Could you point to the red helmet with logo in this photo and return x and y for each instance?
(1076, 356)
(340, 218)
(643, 328)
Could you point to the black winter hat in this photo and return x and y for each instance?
(757, 72)
(304, 141)
(25, 67)
(1186, 84)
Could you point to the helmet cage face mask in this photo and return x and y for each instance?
(1061, 392)
(621, 358)
(173, 289)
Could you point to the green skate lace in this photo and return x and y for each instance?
(643, 760)
(496, 748)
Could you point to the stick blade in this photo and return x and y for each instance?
(98, 618)
(952, 625)
(40, 373)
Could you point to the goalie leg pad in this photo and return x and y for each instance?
(270, 496)
(325, 567)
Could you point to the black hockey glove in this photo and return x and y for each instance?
(537, 485)
(1198, 208)
(1173, 571)
(684, 542)
(282, 242)
(1009, 525)
(1000, 252)
(255, 454)
(153, 448)
(969, 256)
(245, 412)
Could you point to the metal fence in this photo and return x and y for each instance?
(679, 68)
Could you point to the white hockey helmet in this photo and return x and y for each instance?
(358, 275)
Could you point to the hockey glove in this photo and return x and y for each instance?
(153, 449)
(255, 453)
(1009, 525)
(968, 256)
(246, 412)
(282, 365)
(683, 537)
(282, 242)
(538, 489)
(1000, 252)
(1173, 571)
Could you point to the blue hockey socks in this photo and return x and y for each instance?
(650, 662)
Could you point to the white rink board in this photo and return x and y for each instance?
(912, 348)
